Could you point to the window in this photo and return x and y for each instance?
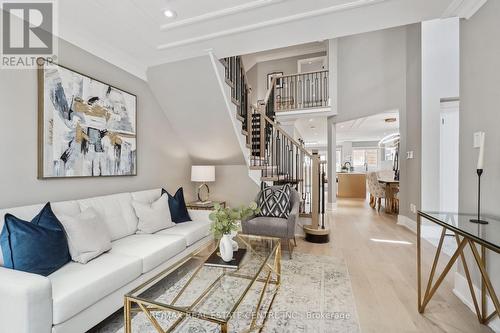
(365, 157)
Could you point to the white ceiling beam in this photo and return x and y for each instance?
(219, 13)
(463, 8)
(269, 23)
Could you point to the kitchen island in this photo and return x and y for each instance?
(351, 185)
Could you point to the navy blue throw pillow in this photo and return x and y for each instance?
(177, 205)
(39, 246)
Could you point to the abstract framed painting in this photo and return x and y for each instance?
(86, 128)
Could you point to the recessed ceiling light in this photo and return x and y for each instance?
(310, 119)
(170, 13)
(390, 120)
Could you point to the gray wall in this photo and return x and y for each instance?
(479, 111)
(380, 71)
(190, 96)
(233, 185)
(257, 75)
(371, 73)
(162, 159)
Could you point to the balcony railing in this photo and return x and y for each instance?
(301, 91)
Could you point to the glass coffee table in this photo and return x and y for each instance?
(192, 296)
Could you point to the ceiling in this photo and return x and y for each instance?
(135, 35)
(372, 128)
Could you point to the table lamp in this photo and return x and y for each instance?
(203, 174)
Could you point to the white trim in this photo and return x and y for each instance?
(219, 13)
(461, 290)
(269, 23)
(463, 8)
(231, 110)
(408, 223)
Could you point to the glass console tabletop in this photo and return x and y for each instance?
(191, 295)
(484, 234)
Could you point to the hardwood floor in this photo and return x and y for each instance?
(383, 274)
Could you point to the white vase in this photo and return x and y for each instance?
(226, 248)
(235, 244)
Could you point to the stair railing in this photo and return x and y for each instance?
(278, 155)
(302, 91)
(284, 160)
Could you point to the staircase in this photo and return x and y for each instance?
(271, 151)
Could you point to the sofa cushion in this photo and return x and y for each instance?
(39, 246)
(153, 216)
(177, 205)
(267, 226)
(116, 212)
(147, 195)
(192, 231)
(29, 212)
(76, 286)
(88, 236)
(153, 250)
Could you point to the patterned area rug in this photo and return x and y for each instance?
(315, 296)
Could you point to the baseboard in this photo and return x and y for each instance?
(407, 222)
(461, 290)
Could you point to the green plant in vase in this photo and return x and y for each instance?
(227, 220)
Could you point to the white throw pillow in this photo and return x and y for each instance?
(88, 236)
(154, 216)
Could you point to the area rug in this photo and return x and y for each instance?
(315, 296)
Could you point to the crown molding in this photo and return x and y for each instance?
(219, 13)
(463, 8)
(269, 23)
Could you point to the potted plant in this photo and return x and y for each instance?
(227, 220)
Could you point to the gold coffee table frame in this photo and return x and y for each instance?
(137, 304)
(462, 239)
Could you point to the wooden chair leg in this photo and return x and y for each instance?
(379, 203)
(294, 241)
(288, 241)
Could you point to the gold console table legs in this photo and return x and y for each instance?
(480, 260)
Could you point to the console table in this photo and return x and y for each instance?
(486, 237)
(205, 206)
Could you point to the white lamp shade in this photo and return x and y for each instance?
(202, 173)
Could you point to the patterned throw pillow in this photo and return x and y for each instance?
(275, 201)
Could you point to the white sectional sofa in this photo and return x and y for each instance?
(77, 297)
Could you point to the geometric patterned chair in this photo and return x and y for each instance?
(274, 226)
(377, 190)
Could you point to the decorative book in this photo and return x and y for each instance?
(216, 261)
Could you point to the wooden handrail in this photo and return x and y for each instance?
(283, 132)
(303, 73)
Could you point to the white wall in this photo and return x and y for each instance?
(440, 79)
(162, 158)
